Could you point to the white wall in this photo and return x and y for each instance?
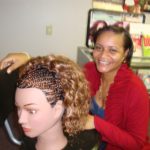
(23, 26)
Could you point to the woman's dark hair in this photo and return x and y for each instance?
(128, 43)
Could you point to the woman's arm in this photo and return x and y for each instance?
(13, 61)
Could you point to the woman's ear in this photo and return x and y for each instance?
(59, 109)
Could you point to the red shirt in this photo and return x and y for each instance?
(127, 109)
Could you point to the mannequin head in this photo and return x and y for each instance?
(52, 95)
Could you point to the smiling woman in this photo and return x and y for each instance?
(120, 102)
(52, 99)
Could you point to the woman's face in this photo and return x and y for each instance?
(35, 114)
(109, 52)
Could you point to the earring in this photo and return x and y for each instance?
(124, 60)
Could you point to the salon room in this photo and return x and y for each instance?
(31, 28)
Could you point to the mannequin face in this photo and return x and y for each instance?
(35, 114)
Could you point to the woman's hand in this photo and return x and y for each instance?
(13, 61)
(90, 122)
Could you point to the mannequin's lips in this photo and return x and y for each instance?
(26, 129)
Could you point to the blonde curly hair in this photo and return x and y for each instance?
(60, 79)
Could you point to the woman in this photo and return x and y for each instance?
(52, 100)
(120, 100)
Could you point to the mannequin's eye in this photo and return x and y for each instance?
(32, 111)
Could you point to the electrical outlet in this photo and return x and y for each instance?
(49, 30)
